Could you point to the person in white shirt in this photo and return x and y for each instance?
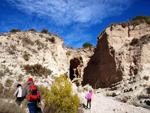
(18, 94)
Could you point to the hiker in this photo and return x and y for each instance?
(33, 95)
(89, 99)
(18, 94)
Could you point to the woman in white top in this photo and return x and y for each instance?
(18, 94)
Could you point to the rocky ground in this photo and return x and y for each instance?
(103, 104)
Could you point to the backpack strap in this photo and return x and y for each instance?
(32, 87)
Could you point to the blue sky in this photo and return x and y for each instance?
(76, 21)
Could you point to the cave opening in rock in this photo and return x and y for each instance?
(71, 73)
(73, 68)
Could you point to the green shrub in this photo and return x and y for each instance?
(32, 30)
(112, 24)
(44, 91)
(8, 83)
(142, 18)
(60, 98)
(87, 45)
(26, 57)
(44, 31)
(37, 70)
(15, 30)
(124, 24)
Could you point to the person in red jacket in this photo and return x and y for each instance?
(27, 93)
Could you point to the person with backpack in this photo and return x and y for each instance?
(33, 95)
(18, 94)
(89, 99)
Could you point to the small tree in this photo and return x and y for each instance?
(32, 30)
(44, 31)
(87, 45)
(60, 98)
(15, 30)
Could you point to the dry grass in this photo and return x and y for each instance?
(8, 93)
(1, 88)
(37, 70)
(7, 107)
(8, 83)
(20, 77)
(27, 41)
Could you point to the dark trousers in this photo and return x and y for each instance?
(33, 108)
(89, 103)
(19, 100)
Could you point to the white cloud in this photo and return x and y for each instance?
(76, 38)
(64, 12)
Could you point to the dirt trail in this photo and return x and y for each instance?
(102, 104)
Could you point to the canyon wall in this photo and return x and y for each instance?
(122, 54)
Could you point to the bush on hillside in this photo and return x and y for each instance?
(27, 41)
(32, 30)
(8, 83)
(142, 18)
(60, 98)
(44, 31)
(87, 45)
(37, 70)
(124, 24)
(26, 57)
(15, 30)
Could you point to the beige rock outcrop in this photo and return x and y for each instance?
(122, 54)
(31, 48)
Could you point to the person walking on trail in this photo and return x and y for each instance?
(18, 94)
(33, 95)
(89, 99)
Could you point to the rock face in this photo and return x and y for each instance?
(39, 51)
(121, 54)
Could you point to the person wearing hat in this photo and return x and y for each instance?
(32, 104)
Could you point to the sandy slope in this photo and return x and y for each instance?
(102, 104)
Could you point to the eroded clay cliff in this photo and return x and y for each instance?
(121, 54)
(38, 55)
